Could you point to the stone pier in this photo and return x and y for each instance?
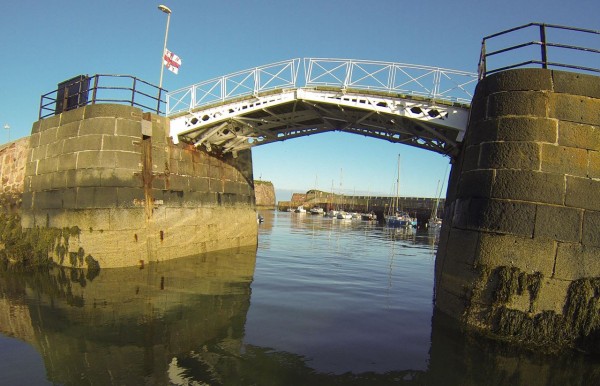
(128, 195)
(519, 255)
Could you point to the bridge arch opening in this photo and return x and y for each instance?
(352, 165)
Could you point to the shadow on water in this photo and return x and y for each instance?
(183, 323)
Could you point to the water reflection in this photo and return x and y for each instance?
(459, 357)
(128, 326)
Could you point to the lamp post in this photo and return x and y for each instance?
(166, 10)
(7, 127)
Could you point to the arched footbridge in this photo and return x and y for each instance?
(421, 106)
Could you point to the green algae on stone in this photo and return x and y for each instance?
(545, 329)
(578, 325)
(35, 246)
(512, 281)
(508, 284)
(582, 306)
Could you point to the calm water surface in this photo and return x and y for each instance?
(320, 302)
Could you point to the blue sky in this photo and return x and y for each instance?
(45, 42)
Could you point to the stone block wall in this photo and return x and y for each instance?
(264, 193)
(111, 172)
(519, 253)
(13, 156)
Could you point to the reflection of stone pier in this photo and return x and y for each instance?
(126, 325)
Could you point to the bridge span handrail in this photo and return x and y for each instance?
(395, 78)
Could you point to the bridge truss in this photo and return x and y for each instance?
(421, 106)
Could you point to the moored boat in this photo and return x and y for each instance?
(332, 213)
(300, 209)
(396, 216)
(434, 222)
(344, 216)
(316, 210)
(371, 216)
(401, 219)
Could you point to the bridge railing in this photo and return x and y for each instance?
(538, 44)
(242, 83)
(397, 78)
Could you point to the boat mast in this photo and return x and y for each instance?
(330, 200)
(343, 200)
(398, 185)
(437, 201)
(440, 192)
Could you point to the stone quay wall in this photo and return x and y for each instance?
(264, 193)
(13, 158)
(519, 254)
(111, 174)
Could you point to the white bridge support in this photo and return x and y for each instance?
(265, 105)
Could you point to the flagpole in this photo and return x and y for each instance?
(166, 10)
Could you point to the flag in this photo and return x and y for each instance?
(171, 61)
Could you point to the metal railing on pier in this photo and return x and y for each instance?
(538, 44)
(102, 88)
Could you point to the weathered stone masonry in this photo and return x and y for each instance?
(13, 156)
(519, 254)
(111, 171)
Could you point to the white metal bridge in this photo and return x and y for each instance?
(422, 106)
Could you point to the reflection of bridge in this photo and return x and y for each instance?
(416, 105)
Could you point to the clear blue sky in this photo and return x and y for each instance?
(45, 42)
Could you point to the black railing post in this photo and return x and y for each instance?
(133, 91)
(159, 99)
(482, 58)
(95, 89)
(543, 46)
(41, 106)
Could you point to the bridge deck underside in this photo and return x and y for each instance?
(296, 113)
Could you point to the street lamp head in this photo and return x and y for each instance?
(165, 9)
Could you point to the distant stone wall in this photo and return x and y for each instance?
(113, 173)
(299, 199)
(519, 253)
(13, 157)
(264, 192)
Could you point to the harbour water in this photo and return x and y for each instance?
(319, 302)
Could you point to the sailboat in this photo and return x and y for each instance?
(316, 209)
(332, 212)
(396, 217)
(342, 214)
(434, 221)
(368, 216)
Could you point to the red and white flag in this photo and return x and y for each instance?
(171, 61)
